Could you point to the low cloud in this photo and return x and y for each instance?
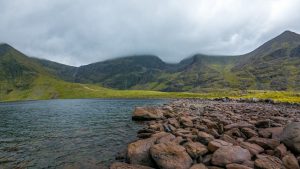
(84, 31)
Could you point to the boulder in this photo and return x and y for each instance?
(166, 138)
(138, 152)
(206, 159)
(273, 132)
(241, 124)
(268, 162)
(216, 144)
(235, 132)
(249, 132)
(204, 137)
(119, 165)
(230, 154)
(291, 136)
(229, 139)
(263, 123)
(186, 121)
(214, 167)
(174, 122)
(170, 156)
(265, 142)
(280, 151)
(195, 149)
(198, 166)
(290, 162)
(147, 113)
(236, 166)
(254, 149)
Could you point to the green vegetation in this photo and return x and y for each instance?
(270, 71)
(49, 88)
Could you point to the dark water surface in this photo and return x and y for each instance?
(66, 133)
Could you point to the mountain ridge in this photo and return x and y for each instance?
(275, 65)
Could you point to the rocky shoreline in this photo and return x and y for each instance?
(215, 134)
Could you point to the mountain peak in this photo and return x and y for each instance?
(288, 36)
(4, 47)
(288, 32)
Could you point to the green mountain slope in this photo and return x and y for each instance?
(273, 66)
(122, 73)
(17, 71)
(61, 71)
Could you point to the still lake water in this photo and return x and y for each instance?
(82, 133)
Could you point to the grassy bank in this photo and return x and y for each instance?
(49, 88)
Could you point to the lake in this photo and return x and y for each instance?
(80, 133)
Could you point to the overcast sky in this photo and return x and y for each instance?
(79, 32)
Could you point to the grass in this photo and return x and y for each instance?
(50, 88)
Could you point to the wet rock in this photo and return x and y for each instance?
(210, 124)
(280, 151)
(216, 144)
(236, 166)
(273, 132)
(174, 122)
(156, 127)
(214, 167)
(179, 140)
(249, 164)
(204, 137)
(164, 139)
(213, 132)
(291, 136)
(270, 152)
(146, 131)
(265, 142)
(229, 139)
(138, 152)
(235, 132)
(241, 124)
(230, 154)
(186, 121)
(119, 165)
(279, 119)
(290, 162)
(206, 159)
(268, 162)
(144, 135)
(147, 113)
(198, 166)
(121, 156)
(249, 132)
(254, 149)
(264, 133)
(195, 149)
(170, 156)
(263, 123)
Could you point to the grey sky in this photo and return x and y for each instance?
(78, 32)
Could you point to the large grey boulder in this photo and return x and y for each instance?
(291, 136)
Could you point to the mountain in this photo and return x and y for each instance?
(122, 73)
(16, 70)
(59, 70)
(273, 66)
